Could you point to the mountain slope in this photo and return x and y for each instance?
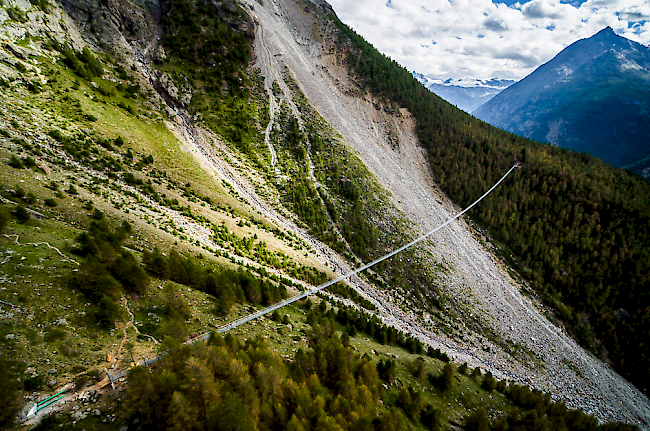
(240, 181)
(561, 205)
(400, 171)
(592, 97)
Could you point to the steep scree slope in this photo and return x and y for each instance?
(477, 278)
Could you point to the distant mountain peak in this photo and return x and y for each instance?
(594, 97)
(607, 34)
(465, 93)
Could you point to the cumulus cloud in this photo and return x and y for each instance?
(480, 39)
(543, 9)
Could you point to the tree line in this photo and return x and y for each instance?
(232, 384)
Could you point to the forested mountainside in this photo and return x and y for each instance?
(159, 180)
(573, 225)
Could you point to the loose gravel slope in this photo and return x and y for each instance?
(477, 279)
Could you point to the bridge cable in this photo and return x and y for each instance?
(206, 334)
(309, 292)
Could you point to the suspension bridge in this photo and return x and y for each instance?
(110, 379)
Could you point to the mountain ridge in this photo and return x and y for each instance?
(591, 98)
(466, 94)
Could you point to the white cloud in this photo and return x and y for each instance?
(480, 39)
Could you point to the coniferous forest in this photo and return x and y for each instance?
(230, 385)
(572, 225)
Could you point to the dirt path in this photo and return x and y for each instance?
(476, 279)
(125, 338)
(128, 310)
(47, 244)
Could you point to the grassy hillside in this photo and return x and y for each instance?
(574, 226)
(92, 183)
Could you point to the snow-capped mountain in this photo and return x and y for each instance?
(465, 93)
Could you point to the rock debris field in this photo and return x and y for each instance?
(561, 367)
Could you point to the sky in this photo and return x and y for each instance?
(483, 38)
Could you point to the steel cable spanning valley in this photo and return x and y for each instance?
(309, 292)
(235, 323)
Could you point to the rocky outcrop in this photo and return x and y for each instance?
(181, 93)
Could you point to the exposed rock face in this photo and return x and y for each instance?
(181, 94)
(159, 54)
(114, 25)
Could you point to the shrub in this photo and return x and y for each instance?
(9, 396)
(106, 312)
(15, 162)
(54, 334)
(33, 86)
(29, 162)
(478, 421)
(41, 4)
(489, 382)
(93, 65)
(21, 214)
(33, 384)
(56, 135)
(446, 380)
(17, 15)
(18, 193)
(20, 67)
(175, 304)
(4, 219)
